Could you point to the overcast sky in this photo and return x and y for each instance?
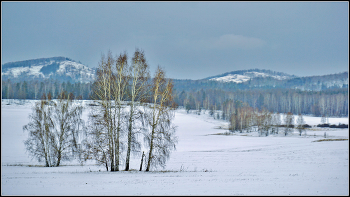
(191, 40)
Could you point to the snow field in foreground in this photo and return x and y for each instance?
(203, 164)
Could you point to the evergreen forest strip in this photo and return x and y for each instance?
(207, 95)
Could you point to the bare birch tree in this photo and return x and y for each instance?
(104, 117)
(39, 128)
(54, 130)
(67, 118)
(289, 123)
(160, 136)
(266, 121)
(119, 87)
(277, 121)
(96, 146)
(139, 76)
(300, 124)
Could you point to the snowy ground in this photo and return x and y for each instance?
(203, 164)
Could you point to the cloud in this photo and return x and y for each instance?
(232, 41)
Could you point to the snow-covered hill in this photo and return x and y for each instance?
(255, 78)
(318, 83)
(245, 75)
(60, 68)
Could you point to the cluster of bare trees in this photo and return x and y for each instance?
(54, 129)
(128, 105)
(120, 117)
(241, 117)
(244, 118)
(247, 110)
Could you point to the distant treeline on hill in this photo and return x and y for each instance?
(216, 96)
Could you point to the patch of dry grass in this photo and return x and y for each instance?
(322, 140)
(226, 133)
(25, 165)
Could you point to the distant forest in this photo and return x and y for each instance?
(209, 95)
(333, 102)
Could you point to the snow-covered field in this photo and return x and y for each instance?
(203, 164)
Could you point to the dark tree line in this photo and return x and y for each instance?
(317, 103)
(329, 102)
(34, 89)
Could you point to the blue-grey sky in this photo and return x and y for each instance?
(191, 40)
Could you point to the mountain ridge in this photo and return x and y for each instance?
(241, 76)
(65, 69)
(33, 61)
(306, 83)
(60, 68)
